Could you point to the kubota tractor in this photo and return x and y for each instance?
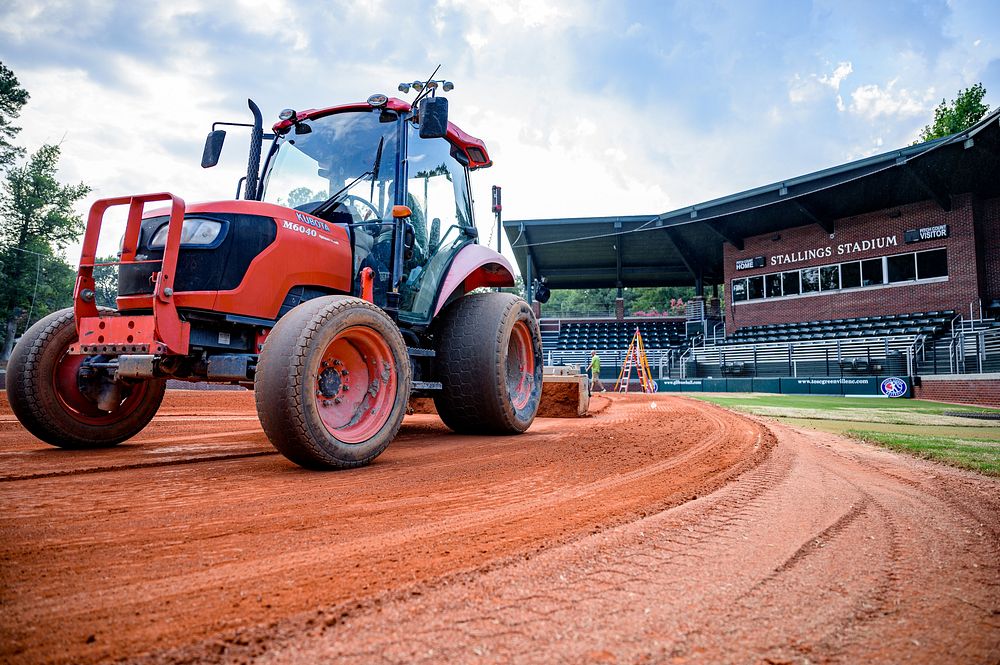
(336, 287)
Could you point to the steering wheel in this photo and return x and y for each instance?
(361, 206)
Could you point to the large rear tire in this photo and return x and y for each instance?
(489, 359)
(44, 393)
(332, 383)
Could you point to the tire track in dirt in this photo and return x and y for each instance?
(160, 557)
(820, 553)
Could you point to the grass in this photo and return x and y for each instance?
(824, 402)
(916, 427)
(976, 454)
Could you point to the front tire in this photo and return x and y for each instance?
(332, 383)
(44, 394)
(489, 359)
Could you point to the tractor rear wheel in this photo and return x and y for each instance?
(332, 383)
(44, 390)
(489, 359)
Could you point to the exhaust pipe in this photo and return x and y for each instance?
(256, 142)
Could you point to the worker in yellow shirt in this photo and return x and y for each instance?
(595, 372)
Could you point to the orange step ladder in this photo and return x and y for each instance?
(636, 356)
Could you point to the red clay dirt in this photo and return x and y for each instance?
(660, 529)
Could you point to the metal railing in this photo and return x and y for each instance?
(895, 354)
(972, 348)
(578, 314)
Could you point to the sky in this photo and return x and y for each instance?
(588, 108)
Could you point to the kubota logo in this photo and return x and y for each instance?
(298, 228)
(313, 222)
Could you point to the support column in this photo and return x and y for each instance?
(619, 308)
(529, 278)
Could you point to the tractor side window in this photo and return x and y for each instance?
(438, 196)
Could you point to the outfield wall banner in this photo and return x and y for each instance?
(881, 386)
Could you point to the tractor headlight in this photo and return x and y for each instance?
(195, 231)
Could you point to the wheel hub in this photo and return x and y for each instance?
(330, 382)
(355, 384)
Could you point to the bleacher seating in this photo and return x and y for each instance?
(929, 324)
(812, 357)
(974, 347)
(607, 335)
(570, 343)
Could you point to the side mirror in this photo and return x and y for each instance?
(433, 117)
(213, 148)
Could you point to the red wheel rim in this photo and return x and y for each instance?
(355, 384)
(520, 365)
(67, 391)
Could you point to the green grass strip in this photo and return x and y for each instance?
(974, 454)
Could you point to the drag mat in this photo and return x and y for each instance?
(196, 542)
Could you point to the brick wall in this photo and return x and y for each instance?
(961, 287)
(988, 237)
(983, 391)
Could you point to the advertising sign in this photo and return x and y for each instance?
(893, 386)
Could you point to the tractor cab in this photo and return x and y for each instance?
(351, 166)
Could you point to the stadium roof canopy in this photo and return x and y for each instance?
(682, 247)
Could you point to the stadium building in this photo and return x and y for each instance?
(888, 266)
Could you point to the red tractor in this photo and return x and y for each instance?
(339, 285)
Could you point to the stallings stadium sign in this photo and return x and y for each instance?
(843, 249)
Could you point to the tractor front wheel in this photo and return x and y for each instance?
(332, 383)
(489, 359)
(44, 389)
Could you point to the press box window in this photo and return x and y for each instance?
(772, 285)
(829, 277)
(755, 287)
(932, 264)
(850, 275)
(901, 268)
(871, 272)
(790, 282)
(739, 290)
(810, 280)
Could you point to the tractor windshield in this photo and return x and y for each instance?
(351, 153)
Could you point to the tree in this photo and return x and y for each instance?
(302, 195)
(663, 299)
(12, 98)
(36, 220)
(106, 282)
(963, 112)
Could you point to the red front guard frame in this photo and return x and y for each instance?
(163, 332)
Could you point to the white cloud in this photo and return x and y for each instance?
(872, 101)
(842, 71)
(812, 88)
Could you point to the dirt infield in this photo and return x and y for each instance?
(659, 529)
